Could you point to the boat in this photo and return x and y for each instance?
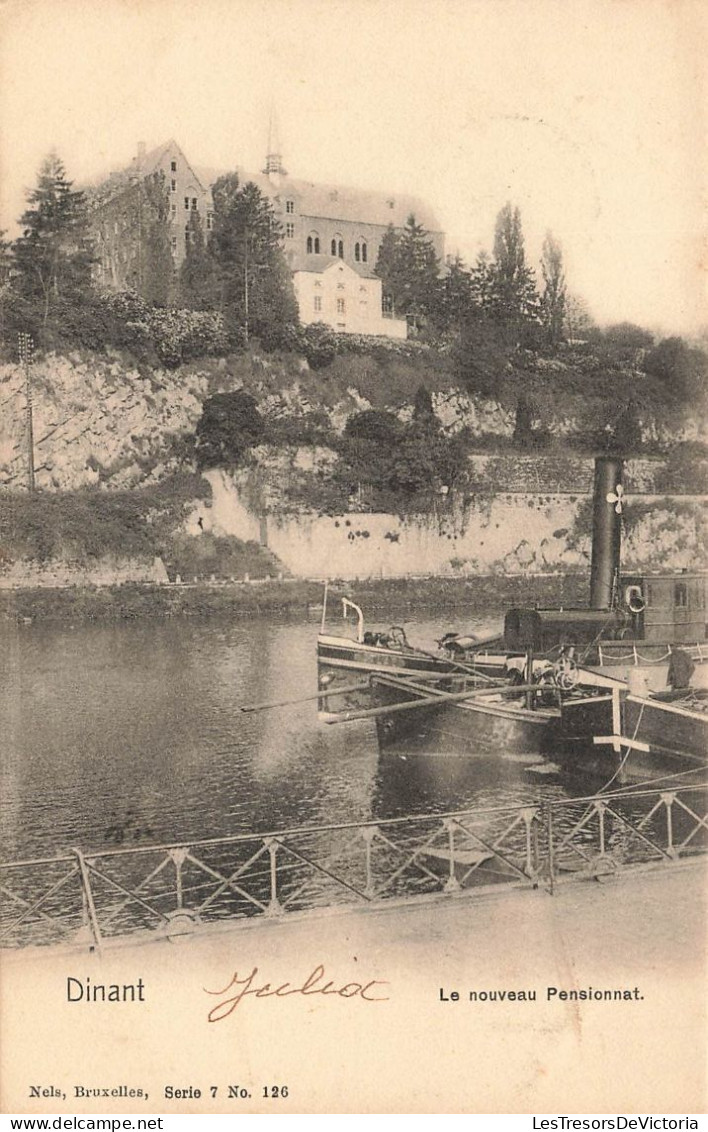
(634, 623)
(368, 652)
(464, 718)
(568, 680)
(632, 733)
(631, 628)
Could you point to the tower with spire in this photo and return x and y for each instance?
(274, 159)
(330, 233)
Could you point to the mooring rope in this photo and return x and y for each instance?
(627, 752)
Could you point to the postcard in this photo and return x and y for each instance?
(353, 471)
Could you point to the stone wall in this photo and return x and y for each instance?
(565, 474)
(64, 572)
(522, 532)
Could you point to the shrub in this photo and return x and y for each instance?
(230, 424)
(374, 425)
(319, 345)
(685, 469)
(90, 523)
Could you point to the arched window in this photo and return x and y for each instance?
(340, 249)
(317, 245)
(313, 244)
(363, 252)
(337, 245)
(357, 252)
(309, 245)
(334, 247)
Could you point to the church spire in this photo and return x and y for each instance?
(274, 157)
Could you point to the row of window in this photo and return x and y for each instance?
(336, 247)
(187, 232)
(341, 306)
(658, 596)
(209, 216)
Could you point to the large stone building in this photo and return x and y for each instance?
(331, 233)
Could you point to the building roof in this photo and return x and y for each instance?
(142, 165)
(339, 202)
(314, 201)
(317, 264)
(335, 202)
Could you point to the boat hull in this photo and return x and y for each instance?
(487, 723)
(344, 657)
(631, 735)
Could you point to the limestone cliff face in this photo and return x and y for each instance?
(94, 422)
(100, 422)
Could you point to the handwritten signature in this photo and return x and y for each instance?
(313, 984)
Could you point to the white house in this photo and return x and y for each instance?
(332, 292)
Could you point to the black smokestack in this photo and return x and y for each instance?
(606, 530)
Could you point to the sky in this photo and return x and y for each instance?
(592, 117)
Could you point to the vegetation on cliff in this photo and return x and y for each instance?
(498, 360)
(90, 525)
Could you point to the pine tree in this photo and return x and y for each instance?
(255, 291)
(386, 267)
(553, 299)
(456, 298)
(197, 281)
(409, 270)
(418, 275)
(53, 256)
(514, 298)
(482, 283)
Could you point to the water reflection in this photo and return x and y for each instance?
(132, 734)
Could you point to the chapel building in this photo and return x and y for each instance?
(331, 233)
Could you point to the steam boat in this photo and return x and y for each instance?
(626, 676)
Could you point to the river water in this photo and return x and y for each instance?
(131, 734)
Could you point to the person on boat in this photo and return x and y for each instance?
(681, 669)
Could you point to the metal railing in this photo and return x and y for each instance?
(95, 897)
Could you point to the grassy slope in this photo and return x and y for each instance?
(87, 525)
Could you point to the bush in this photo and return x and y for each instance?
(626, 335)
(230, 424)
(222, 556)
(90, 523)
(682, 370)
(685, 469)
(179, 335)
(319, 345)
(375, 425)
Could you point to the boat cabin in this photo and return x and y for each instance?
(655, 608)
(541, 630)
(667, 607)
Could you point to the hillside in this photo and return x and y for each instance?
(119, 489)
(101, 420)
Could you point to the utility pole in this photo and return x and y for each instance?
(26, 350)
(245, 281)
